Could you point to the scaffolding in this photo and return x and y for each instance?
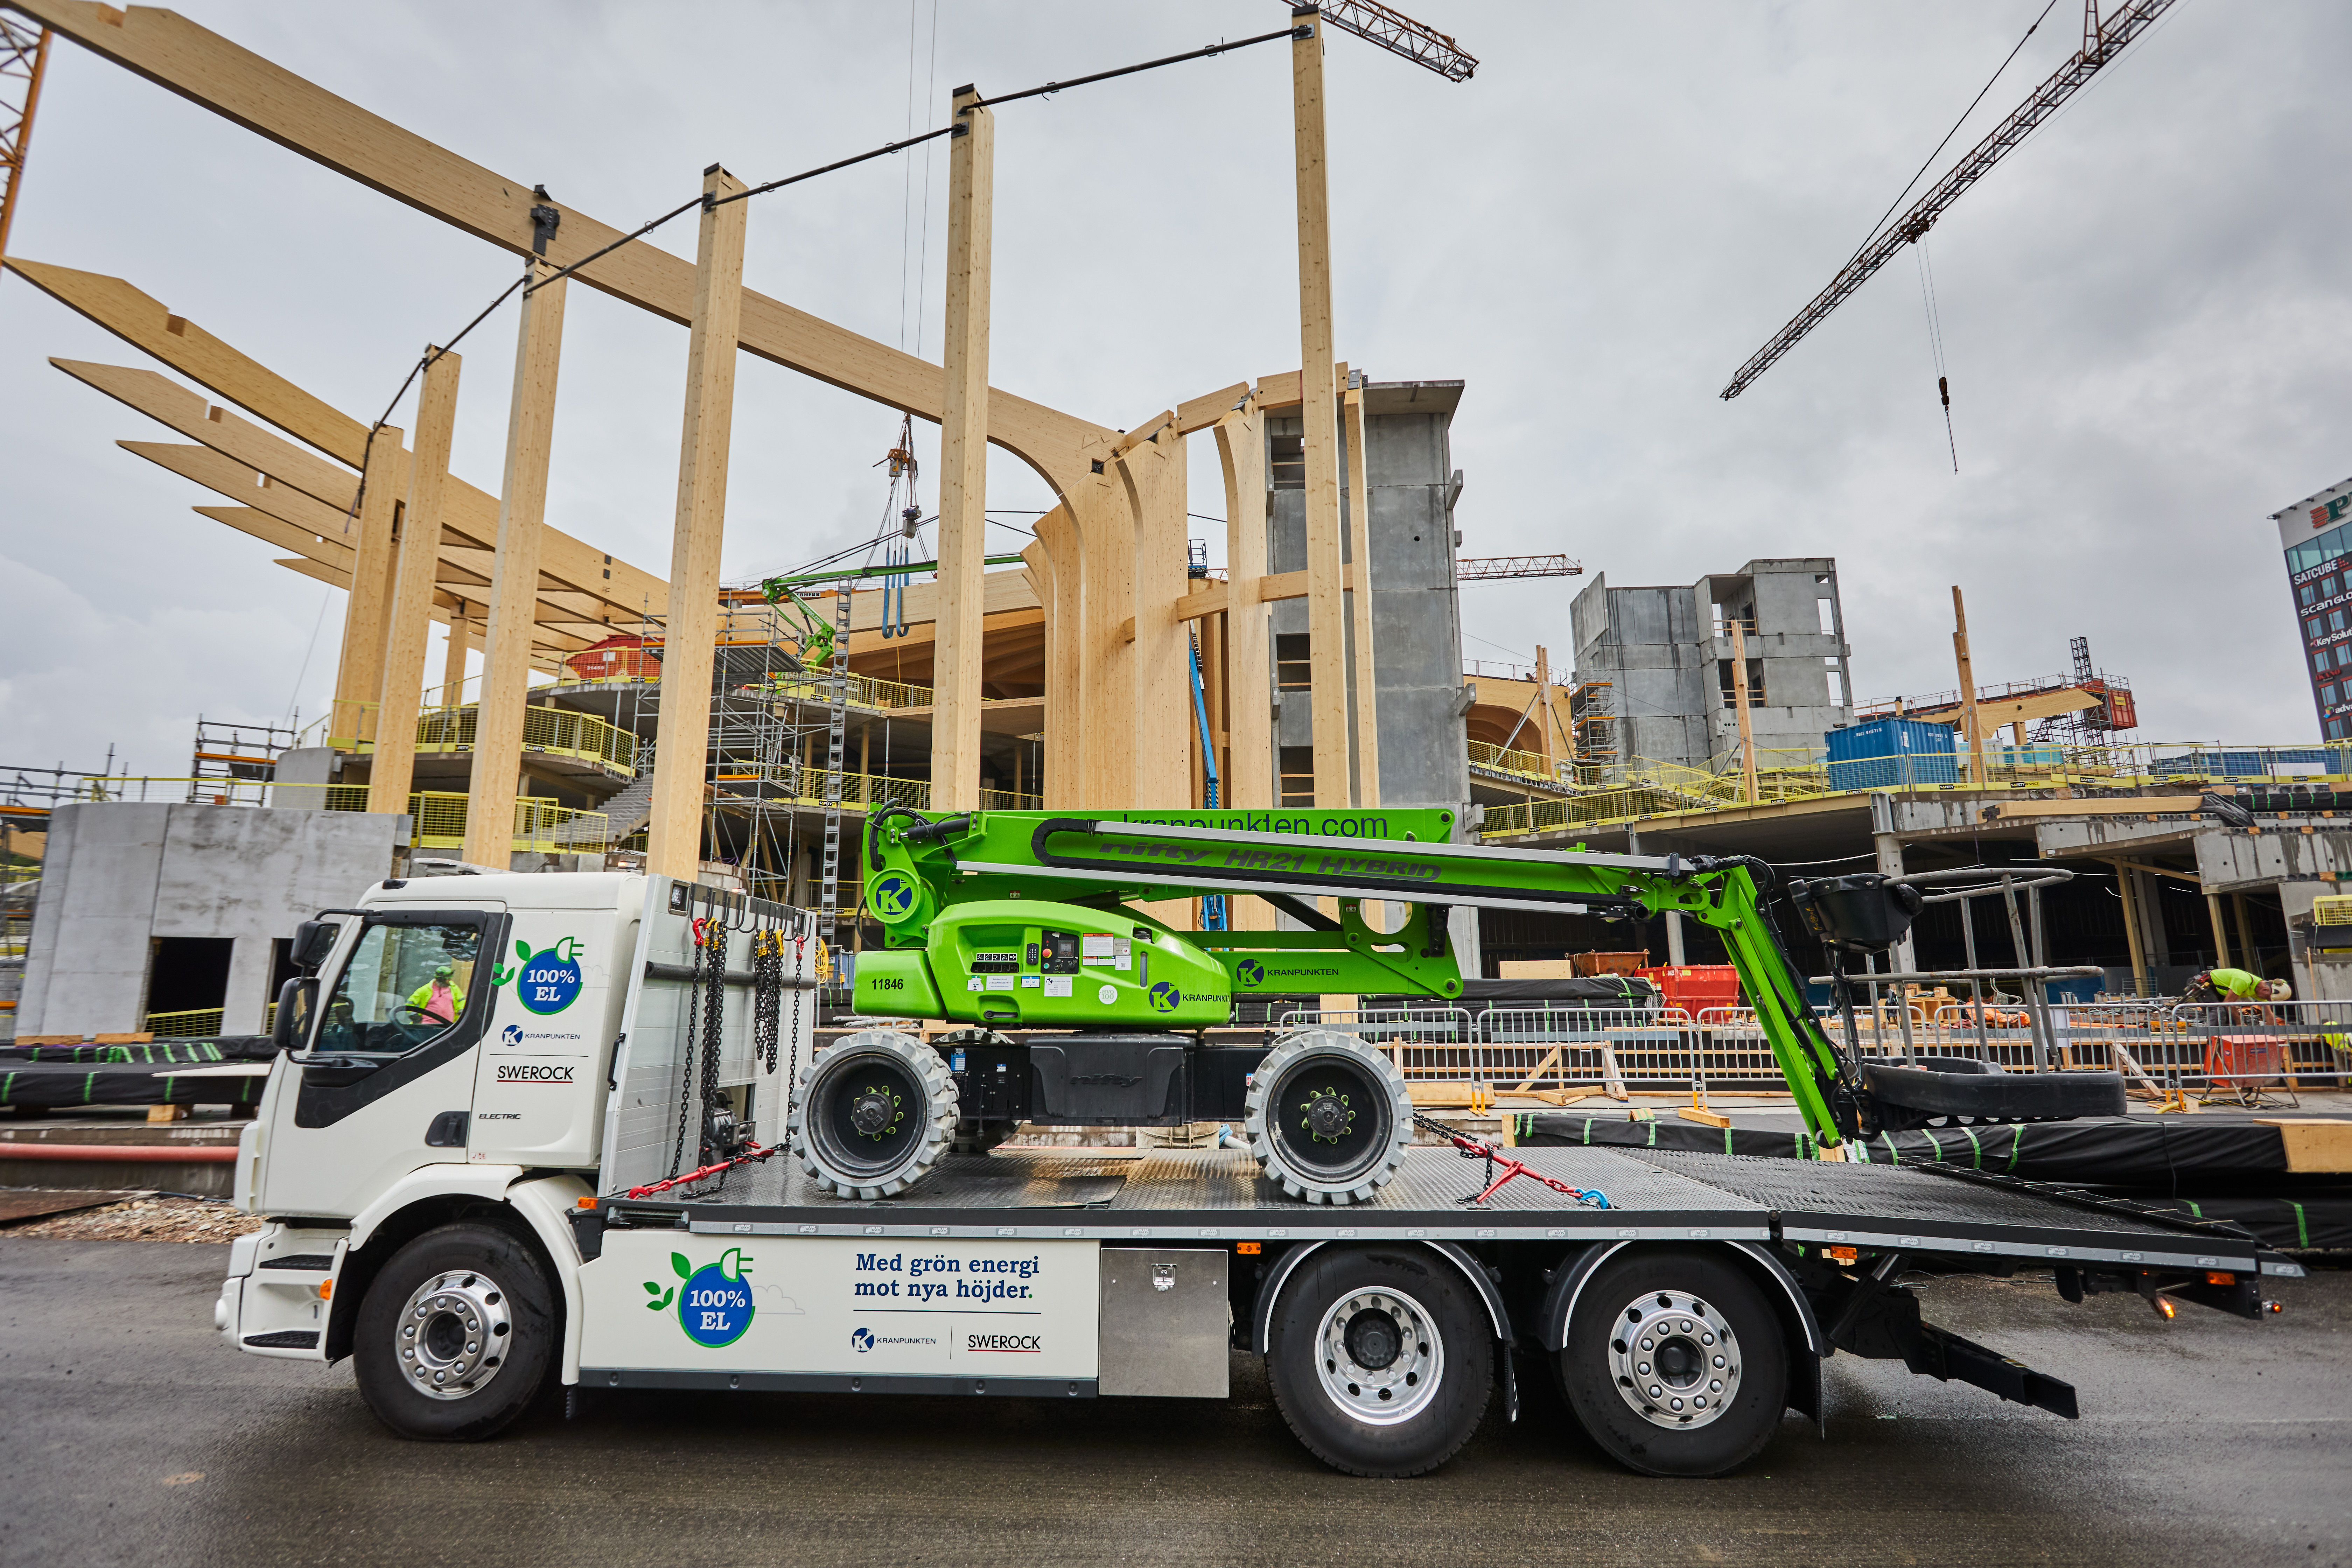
(230, 764)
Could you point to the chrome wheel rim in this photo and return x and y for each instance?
(1672, 1357)
(454, 1334)
(1379, 1356)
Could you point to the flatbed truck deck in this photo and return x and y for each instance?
(544, 1180)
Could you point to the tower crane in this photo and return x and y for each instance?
(1400, 35)
(2102, 42)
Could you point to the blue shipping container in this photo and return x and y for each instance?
(1891, 754)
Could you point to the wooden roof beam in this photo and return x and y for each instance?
(270, 100)
(211, 364)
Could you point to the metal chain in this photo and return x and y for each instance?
(714, 1005)
(686, 1057)
(767, 995)
(800, 957)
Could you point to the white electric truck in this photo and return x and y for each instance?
(506, 1144)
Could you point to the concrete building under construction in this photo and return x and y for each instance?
(1669, 659)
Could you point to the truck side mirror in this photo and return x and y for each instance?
(291, 1026)
(314, 940)
(1866, 912)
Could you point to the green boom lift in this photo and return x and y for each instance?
(1082, 1006)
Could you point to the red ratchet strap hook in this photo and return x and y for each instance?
(753, 1152)
(1497, 1162)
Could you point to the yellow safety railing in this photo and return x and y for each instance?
(805, 685)
(199, 1024)
(805, 786)
(1647, 787)
(439, 821)
(865, 690)
(1504, 760)
(545, 730)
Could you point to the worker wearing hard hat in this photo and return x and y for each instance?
(2236, 985)
(441, 997)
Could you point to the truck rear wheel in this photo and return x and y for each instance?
(1380, 1362)
(873, 1114)
(1329, 1117)
(456, 1335)
(1674, 1363)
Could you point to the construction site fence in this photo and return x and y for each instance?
(352, 727)
(1644, 786)
(2196, 1048)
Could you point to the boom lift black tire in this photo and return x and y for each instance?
(1321, 1075)
(872, 1114)
(1695, 1297)
(489, 1277)
(1354, 1323)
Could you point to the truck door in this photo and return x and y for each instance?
(387, 1084)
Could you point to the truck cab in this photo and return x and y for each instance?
(447, 1067)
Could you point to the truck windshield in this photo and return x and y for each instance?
(406, 985)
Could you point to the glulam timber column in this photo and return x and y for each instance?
(1107, 730)
(514, 574)
(1248, 782)
(682, 738)
(359, 675)
(1152, 473)
(963, 461)
(1065, 631)
(453, 658)
(1249, 699)
(1359, 545)
(411, 599)
(1327, 613)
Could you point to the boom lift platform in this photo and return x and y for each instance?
(555, 1171)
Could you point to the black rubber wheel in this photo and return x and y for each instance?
(1381, 1359)
(457, 1335)
(1654, 1335)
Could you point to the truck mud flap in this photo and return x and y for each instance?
(1878, 1323)
(1941, 1354)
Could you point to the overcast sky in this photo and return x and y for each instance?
(2144, 335)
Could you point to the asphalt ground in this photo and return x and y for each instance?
(130, 1433)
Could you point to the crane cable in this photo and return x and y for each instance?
(1936, 345)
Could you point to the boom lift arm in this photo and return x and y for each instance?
(930, 883)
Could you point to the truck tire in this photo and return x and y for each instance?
(1327, 1117)
(456, 1335)
(872, 1114)
(1674, 1363)
(1381, 1360)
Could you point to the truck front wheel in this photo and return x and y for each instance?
(1380, 1362)
(456, 1335)
(1674, 1363)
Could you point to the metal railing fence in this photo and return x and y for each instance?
(2157, 1047)
(1645, 786)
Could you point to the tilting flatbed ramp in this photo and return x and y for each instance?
(1654, 1195)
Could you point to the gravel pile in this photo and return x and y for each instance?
(145, 1219)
